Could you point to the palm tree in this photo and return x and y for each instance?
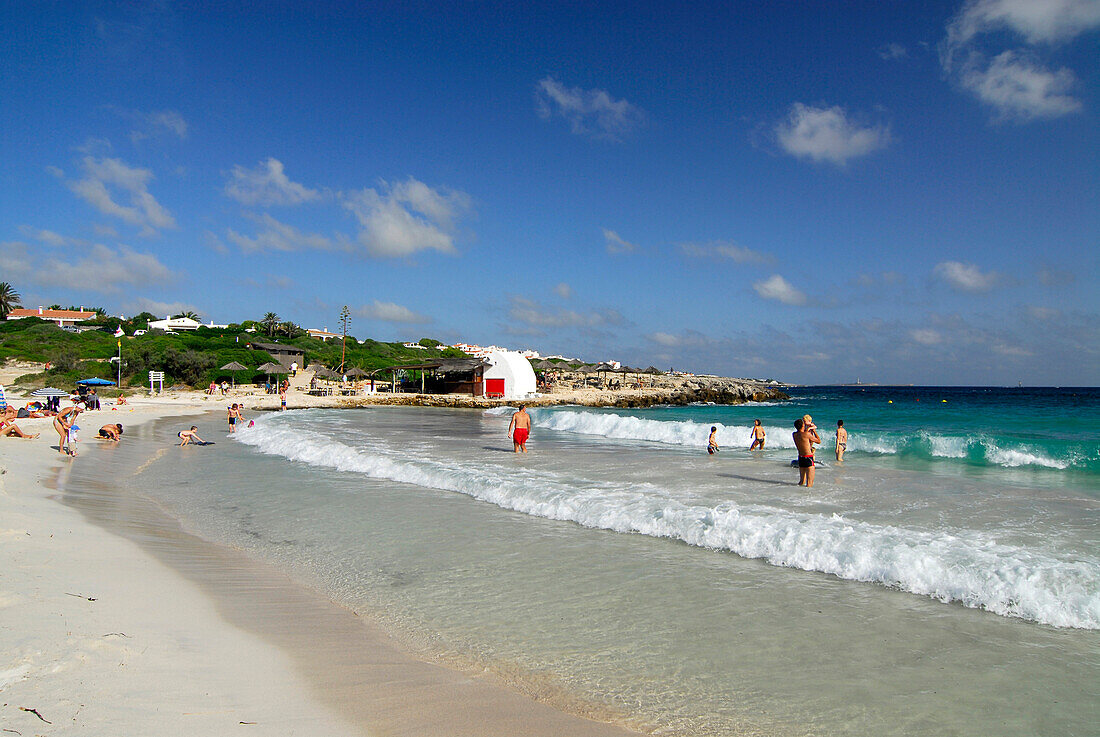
(289, 328)
(9, 299)
(192, 315)
(270, 321)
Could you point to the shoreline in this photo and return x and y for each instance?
(219, 617)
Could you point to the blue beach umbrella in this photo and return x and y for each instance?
(3, 400)
(96, 382)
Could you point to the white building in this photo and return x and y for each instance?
(509, 374)
(180, 323)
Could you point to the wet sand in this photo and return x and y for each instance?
(123, 623)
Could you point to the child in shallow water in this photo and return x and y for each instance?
(71, 440)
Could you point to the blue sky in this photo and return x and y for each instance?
(814, 191)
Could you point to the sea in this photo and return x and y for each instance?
(943, 579)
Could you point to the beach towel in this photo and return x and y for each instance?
(3, 401)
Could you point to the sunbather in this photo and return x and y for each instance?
(8, 428)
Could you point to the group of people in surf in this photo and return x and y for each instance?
(805, 437)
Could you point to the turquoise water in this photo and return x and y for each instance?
(914, 427)
(945, 579)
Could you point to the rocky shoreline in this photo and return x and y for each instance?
(661, 390)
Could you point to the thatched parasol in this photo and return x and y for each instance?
(233, 366)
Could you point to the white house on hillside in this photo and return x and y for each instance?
(180, 323)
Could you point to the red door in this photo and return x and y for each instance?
(494, 387)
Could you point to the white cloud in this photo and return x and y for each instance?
(666, 339)
(104, 230)
(15, 260)
(589, 112)
(826, 134)
(535, 315)
(105, 178)
(95, 269)
(966, 277)
(615, 244)
(725, 250)
(563, 290)
(1043, 313)
(158, 308)
(168, 120)
(686, 339)
(48, 237)
(1016, 83)
(1013, 351)
(777, 288)
(267, 184)
(926, 336)
(149, 125)
(390, 312)
(892, 51)
(1038, 21)
(1054, 277)
(408, 217)
(1018, 88)
(278, 236)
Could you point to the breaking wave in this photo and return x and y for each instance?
(961, 566)
(973, 449)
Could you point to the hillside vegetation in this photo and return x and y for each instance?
(190, 358)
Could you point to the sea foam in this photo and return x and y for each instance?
(976, 449)
(959, 566)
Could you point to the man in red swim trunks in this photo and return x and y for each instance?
(519, 428)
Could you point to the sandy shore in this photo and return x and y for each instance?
(116, 621)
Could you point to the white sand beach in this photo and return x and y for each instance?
(155, 631)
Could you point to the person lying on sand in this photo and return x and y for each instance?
(9, 428)
(188, 436)
(111, 432)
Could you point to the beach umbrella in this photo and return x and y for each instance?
(272, 368)
(95, 381)
(233, 366)
(653, 370)
(356, 371)
(3, 401)
(49, 391)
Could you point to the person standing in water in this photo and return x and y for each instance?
(519, 429)
(758, 435)
(712, 441)
(841, 440)
(805, 435)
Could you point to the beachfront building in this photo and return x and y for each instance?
(176, 324)
(417, 346)
(509, 375)
(322, 335)
(63, 318)
(287, 356)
